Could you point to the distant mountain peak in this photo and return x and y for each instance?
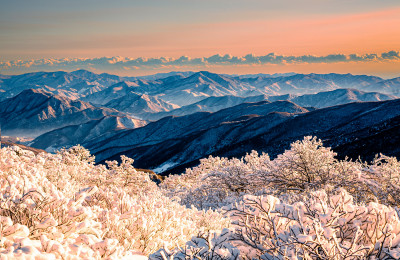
(83, 72)
(206, 74)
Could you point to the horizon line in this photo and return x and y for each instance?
(385, 63)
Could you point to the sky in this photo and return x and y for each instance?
(134, 37)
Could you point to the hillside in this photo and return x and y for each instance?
(96, 129)
(318, 100)
(169, 136)
(333, 98)
(170, 151)
(34, 112)
(140, 105)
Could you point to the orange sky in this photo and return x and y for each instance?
(199, 29)
(375, 31)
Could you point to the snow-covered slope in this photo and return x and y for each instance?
(78, 83)
(319, 100)
(333, 98)
(117, 90)
(140, 105)
(390, 86)
(35, 111)
(200, 86)
(309, 83)
(210, 104)
(184, 88)
(77, 134)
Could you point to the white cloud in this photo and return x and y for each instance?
(126, 63)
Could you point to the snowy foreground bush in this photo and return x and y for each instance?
(305, 204)
(63, 206)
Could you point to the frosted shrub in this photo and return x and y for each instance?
(215, 245)
(305, 204)
(383, 179)
(146, 223)
(38, 213)
(319, 227)
(306, 166)
(76, 154)
(217, 181)
(64, 206)
(192, 189)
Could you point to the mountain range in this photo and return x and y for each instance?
(169, 121)
(70, 84)
(184, 88)
(319, 100)
(333, 98)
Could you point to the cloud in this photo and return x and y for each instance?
(126, 63)
(391, 55)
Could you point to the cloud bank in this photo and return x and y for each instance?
(129, 64)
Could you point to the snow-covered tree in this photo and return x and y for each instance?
(64, 206)
(304, 204)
